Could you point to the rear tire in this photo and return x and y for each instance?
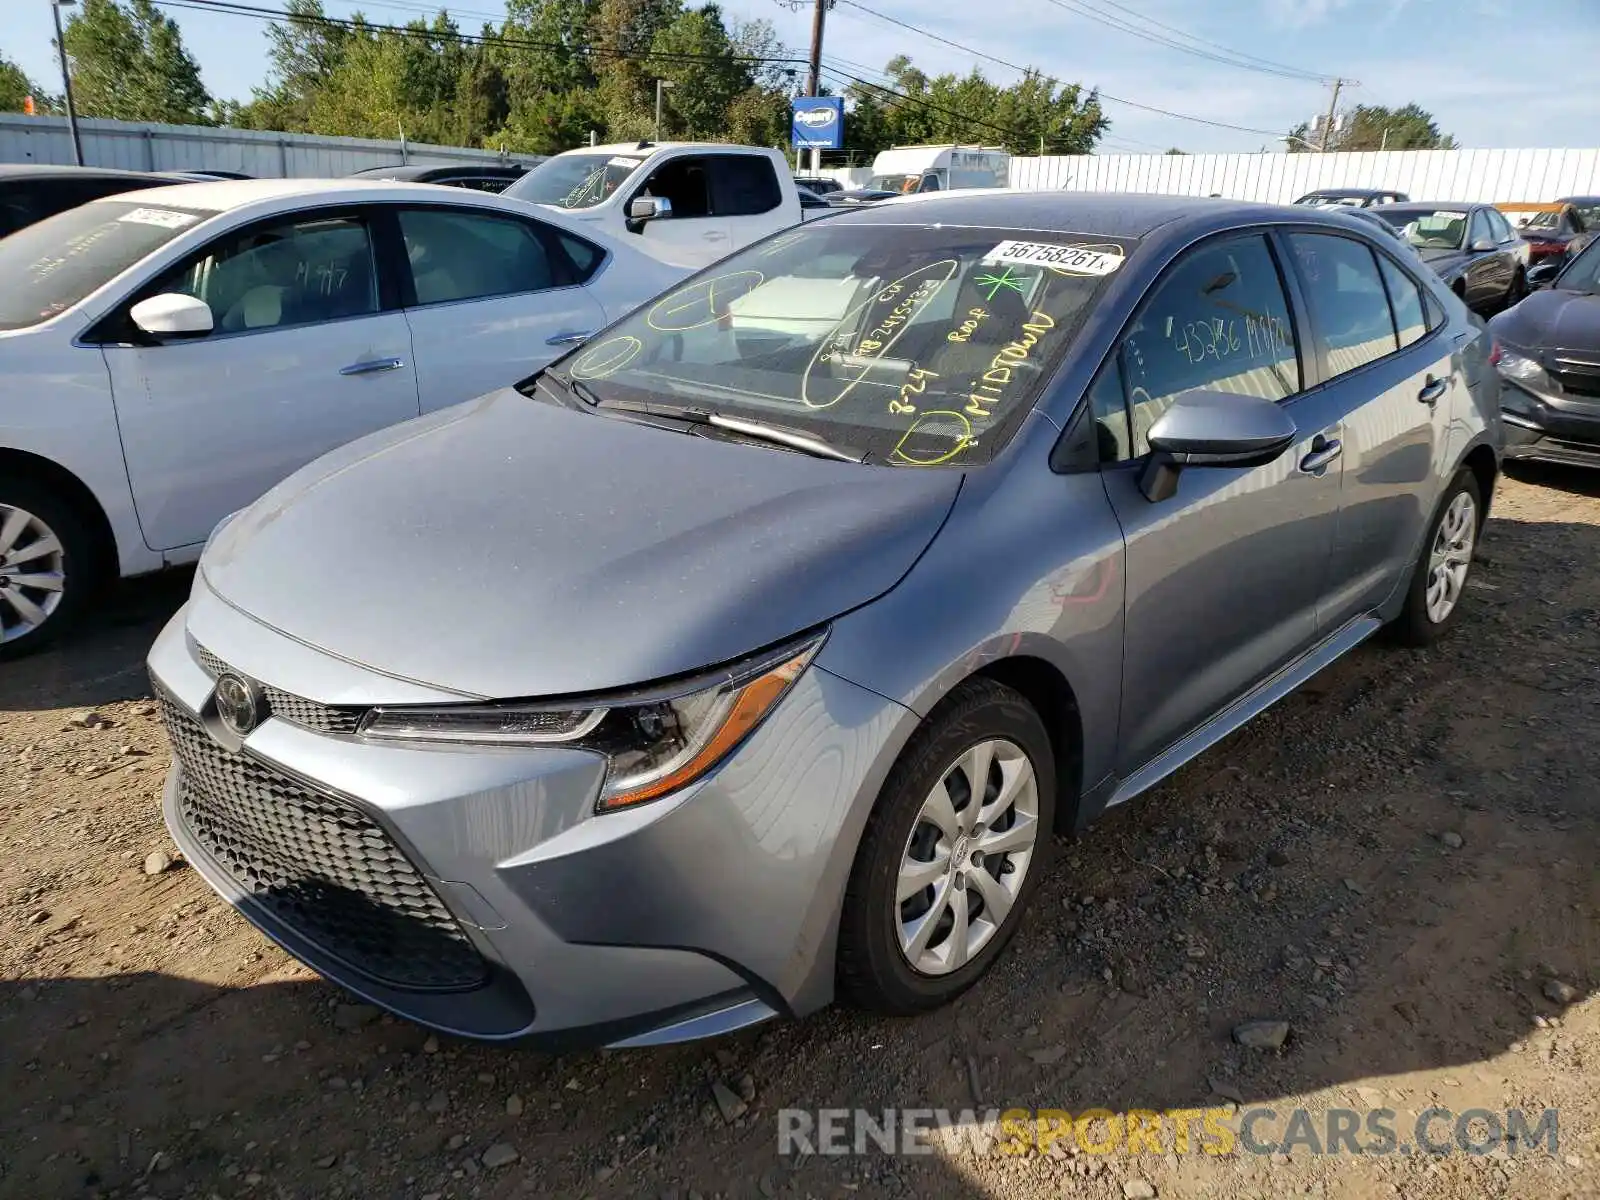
(48, 566)
(1518, 289)
(940, 856)
(1439, 579)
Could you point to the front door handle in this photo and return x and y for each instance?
(1323, 452)
(569, 339)
(373, 366)
(1432, 390)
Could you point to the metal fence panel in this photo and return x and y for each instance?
(1481, 175)
(135, 146)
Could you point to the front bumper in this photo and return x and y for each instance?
(1550, 430)
(474, 891)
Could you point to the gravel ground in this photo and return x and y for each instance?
(1398, 862)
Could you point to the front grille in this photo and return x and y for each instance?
(319, 865)
(286, 706)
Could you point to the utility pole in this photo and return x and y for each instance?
(661, 85)
(1333, 107)
(66, 81)
(814, 80)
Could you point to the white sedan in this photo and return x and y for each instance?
(167, 356)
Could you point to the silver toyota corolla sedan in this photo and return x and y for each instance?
(751, 655)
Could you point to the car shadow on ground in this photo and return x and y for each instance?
(1396, 861)
(103, 660)
(1582, 481)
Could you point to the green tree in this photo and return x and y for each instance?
(131, 64)
(303, 53)
(15, 87)
(696, 53)
(1374, 127)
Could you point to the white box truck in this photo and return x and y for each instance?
(909, 169)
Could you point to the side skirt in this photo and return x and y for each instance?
(1267, 693)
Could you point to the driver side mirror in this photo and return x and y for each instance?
(1543, 275)
(173, 315)
(1213, 429)
(648, 208)
(1482, 245)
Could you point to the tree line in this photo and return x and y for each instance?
(542, 80)
(553, 72)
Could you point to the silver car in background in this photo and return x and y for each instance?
(752, 654)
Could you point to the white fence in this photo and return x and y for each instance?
(142, 147)
(1483, 175)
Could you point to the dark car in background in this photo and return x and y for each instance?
(1588, 208)
(821, 185)
(860, 196)
(1551, 230)
(1548, 355)
(30, 193)
(1351, 198)
(1472, 247)
(485, 177)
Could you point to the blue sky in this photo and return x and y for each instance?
(1491, 79)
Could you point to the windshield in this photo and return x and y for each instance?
(1526, 219)
(893, 183)
(50, 266)
(575, 180)
(1590, 214)
(1582, 273)
(913, 345)
(1431, 229)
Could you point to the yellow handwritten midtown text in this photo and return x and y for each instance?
(992, 387)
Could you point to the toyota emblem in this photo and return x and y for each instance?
(240, 704)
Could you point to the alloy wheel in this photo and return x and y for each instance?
(1451, 557)
(967, 856)
(32, 573)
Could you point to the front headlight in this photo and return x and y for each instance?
(1527, 372)
(654, 742)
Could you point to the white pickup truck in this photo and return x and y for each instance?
(687, 203)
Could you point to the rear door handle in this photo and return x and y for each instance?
(569, 339)
(1431, 392)
(1323, 452)
(373, 366)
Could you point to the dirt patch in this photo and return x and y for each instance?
(1399, 861)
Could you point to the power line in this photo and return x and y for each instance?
(1029, 70)
(1205, 41)
(1227, 57)
(237, 8)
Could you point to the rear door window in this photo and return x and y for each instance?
(458, 255)
(743, 185)
(1405, 299)
(1349, 305)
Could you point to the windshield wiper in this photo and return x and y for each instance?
(573, 387)
(793, 439)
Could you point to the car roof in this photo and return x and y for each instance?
(28, 171)
(1579, 200)
(417, 170)
(1337, 191)
(223, 195)
(1113, 214)
(1430, 205)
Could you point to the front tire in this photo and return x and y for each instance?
(1439, 579)
(46, 567)
(951, 855)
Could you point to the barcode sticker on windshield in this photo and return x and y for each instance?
(1070, 260)
(164, 217)
(628, 163)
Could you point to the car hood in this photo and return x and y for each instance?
(510, 548)
(1552, 320)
